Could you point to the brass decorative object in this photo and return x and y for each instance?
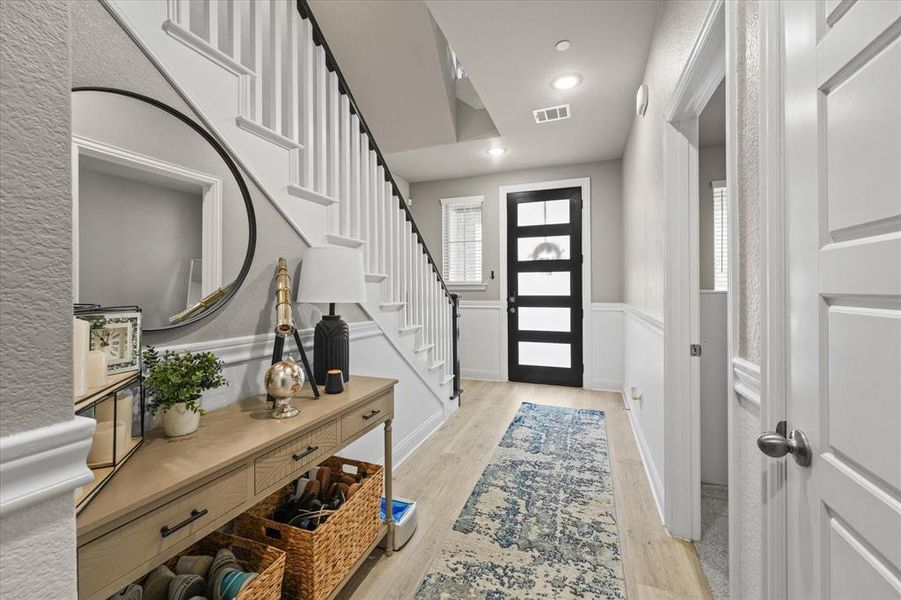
(201, 304)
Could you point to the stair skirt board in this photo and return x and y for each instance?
(308, 194)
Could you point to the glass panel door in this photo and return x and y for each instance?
(544, 286)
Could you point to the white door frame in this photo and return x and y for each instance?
(502, 191)
(773, 302)
(703, 73)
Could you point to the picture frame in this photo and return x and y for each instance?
(117, 332)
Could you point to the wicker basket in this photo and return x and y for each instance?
(317, 561)
(253, 556)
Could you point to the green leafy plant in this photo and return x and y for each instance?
(173, 378)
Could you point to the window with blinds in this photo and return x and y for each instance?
(462, 239)
(720, 236)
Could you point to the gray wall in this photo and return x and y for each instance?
(104, 55)
(644, 219)
(37, 544)
(606, 220)
(711, 167)
(124, 263)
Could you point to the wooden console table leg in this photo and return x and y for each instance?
(389, 498)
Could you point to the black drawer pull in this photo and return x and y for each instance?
(310, 450)
(166, 531)
(370, 415)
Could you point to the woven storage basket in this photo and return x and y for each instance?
(253, 556)
(317, 561)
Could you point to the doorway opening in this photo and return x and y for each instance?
(713, 303)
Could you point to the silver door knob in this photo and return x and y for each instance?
(777, 445)
(512, 310)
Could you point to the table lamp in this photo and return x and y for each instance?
(331, 275)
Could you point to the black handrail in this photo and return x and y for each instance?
(306, 12)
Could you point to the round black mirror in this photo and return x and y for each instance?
(162, 218)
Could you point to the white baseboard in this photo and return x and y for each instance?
(417, 437)
(480, 374)
(607, 385)
(650, 469)
(42, 463)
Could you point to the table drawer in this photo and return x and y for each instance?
(186, 518)
(295, 457)
(362, 417)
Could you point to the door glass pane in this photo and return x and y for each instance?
(542, 354)
(542, 213)
(555, 247)
(555, 283)
(533, 318)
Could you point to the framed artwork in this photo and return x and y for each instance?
(117, 332)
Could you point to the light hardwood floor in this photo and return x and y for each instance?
(442, 472)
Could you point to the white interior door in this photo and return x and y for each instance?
(843, 195)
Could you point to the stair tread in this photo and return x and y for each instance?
(343, 240)
(447, 379)
(267, 133)
(424, 348)
(375, 277)
(409, 329)
(436, 365)
(312, 195)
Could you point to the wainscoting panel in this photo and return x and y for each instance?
(607, 358)
(643, 370)
(482, 349)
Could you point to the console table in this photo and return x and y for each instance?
(192, 485)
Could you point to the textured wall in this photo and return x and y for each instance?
(747, 413)
(37, 544)
(606, 219)
(644, 218)
(748, 120)
(104, 55)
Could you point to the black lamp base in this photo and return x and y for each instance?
(331, 348)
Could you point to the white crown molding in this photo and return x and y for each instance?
(646, 319)
(236, 350)
(42, 463)
(747, 379)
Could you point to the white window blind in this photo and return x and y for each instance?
(462, 239)
(720, 236)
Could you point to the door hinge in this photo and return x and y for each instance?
(694, 350)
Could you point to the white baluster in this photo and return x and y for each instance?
(402, 261)
(273, 66)
(364, 203)
(321, 121)
(379, 236)
(235, 19)
(290, 73)
(373, 212)
(334, 154)
(212, 18)
(344, 166)
(389, 227)
(307, 112)
(179, 12)
(353, 205)
(257, 18)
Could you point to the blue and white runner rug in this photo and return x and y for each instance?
(540, 522)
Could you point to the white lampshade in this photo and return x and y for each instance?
(331, 274)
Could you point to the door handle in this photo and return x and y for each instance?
(777, 445)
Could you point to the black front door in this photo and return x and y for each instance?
(544, 286)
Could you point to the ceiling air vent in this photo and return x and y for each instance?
(551, 113)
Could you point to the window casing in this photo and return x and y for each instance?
(720, 236)
(461, 235)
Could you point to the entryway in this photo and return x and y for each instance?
(544, 286)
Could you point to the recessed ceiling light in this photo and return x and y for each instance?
(497, 151)
(562, 45)
(567, 82)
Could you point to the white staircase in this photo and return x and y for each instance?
(253, 72)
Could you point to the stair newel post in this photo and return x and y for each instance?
(455, 342)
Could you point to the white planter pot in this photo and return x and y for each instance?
(178, 420)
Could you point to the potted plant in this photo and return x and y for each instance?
(175, 383)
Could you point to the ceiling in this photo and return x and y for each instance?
(399, 74)
(712, 122)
